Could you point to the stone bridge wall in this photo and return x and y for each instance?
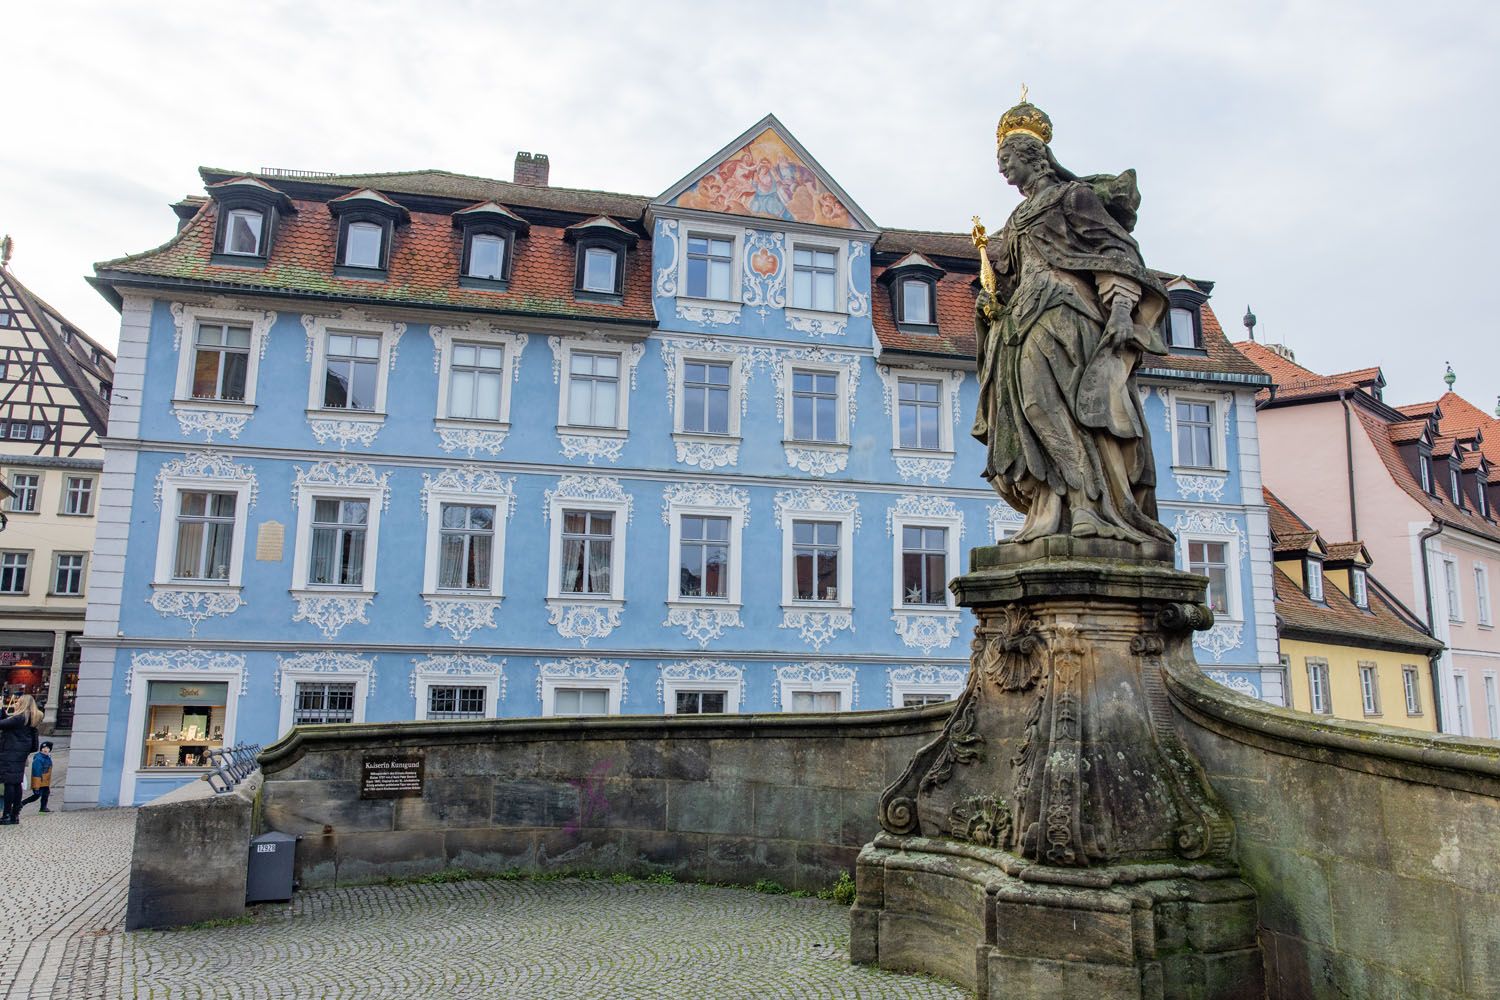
(791, 798)
(1375, 851)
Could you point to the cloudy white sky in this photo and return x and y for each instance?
(1329, 163)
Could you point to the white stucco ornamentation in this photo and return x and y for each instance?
(849, 363)
(340, 473)
(1003, 517)
(1213, 522)
(472, 480)
(583, 668)
(207, 465)
(459, 665)
(891, 377)
(926, 630)
(194, 606)
(923, 505)
(586, 488)
(471, 440)
(1204, 489)
(817, 462)
(749, 356)
(209, 422)
(461, 616)
(816, 500)
(1220, 639)
(344, 432)
(631, 353)
(763, 284)
(719, 495)
(582, 621)
(925, 469)
(324, 661)
(1234, 682)
(702, 624)
(707, 315)
(183, 315)
(184, 661)
(707, 455)
(315, 325)
(832, 674)
(666, 277)
(514, 343)
(590, 446)
(817, 627)
(924, 675)
(859, 302)
(817, 326)
(332, 612)
(696, 671)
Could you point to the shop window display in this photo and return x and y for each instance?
(183, 723)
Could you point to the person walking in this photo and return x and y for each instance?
(41, 778)
(18, 740)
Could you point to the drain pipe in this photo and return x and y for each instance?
(1349, 464)
(1432, 661)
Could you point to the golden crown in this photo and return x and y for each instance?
(1025, 118)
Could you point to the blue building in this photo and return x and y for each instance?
(423, 445)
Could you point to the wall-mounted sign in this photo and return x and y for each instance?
(270, 541)
(391, 776)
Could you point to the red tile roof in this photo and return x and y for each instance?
(1379, 431)
(424, 266)
(1459, 415)
(1295, 383)
(1408, 431)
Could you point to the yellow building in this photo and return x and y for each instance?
(1350, 648)
(54, 404)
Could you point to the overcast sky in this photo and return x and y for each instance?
(1330, 164)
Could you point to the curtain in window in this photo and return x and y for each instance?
(189, 544)
(320, 568)
(598, 582)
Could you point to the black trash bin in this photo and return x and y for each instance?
(271, 862)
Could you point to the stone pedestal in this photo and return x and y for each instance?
(1057, 839)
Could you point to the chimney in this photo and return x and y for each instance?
(531, 168)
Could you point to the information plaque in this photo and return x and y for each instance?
(391, 776)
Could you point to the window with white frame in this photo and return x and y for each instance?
(924, 565)
(1313, 570)
(700, 702)
(1453, 487)
(815, 406)
(1461, 704)
(810, 687)
(1492, 705)
(916, 699)
(580, 701)
(600, 267)
(1424, 468)
(1411, 685)
(466, 546)
(710, 266)
(1184, 331)
(707, 396)
(1450, 584)
(1319, 694)
(1479, 494)
(67, 574)
(1482, 594)
(206, 527)
(351, 372)
(339, 540)
(476, 381)
(486, 256)
(1359, 588)
(817, 553)
(456, 701)
(221, 362)
(363, 244)
(322, 688)
(38, 432)
(1197, 432)
(916, 302)
(1211, 559)
(322, 702)
(242, 232)
(816, 701)
(1369, 688)
(815, 279)
(78, 496)
(703, 558)
(588, 553)
(593, 389)
(14, 569)
(920, 406)
(1283, 683)
(27, 487)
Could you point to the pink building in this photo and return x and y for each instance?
(1418, 485)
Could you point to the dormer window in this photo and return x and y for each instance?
(916, 302)
(1185, 316)
(489, 241)
(367, 221)
(1184, 328)
(1453, 487)
(1484, 503)
(913, 284)
(1314, 575)
(1424, 468)
(1358, 588)
(242, 232)
(602, 243)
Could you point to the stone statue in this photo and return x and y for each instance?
(1062, 324)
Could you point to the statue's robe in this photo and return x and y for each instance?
(1057, 406)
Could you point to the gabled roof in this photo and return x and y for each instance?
(80, 361)
(1379, 431)
(1458, 414)
(1295, 383)
(1289, 533)
(1354, 552)
(766, 173)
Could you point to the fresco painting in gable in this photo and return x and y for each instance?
(765, 178)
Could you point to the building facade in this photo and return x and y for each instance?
(1351, 649)
(55, 383)
(414, 446)
(1415, 482)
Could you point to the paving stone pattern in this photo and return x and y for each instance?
(62, 914)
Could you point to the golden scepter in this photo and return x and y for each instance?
(986, 270)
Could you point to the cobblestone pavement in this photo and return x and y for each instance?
(63, 904)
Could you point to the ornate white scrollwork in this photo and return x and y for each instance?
(859, 302)
(719, 495)
(185, 661)
(324, 661)
(590, 446)
(1219, 639)
(927, 630)
(890, 379)
(1213, 522)
(707, 455)
(702, 624)
(470, 440)
(209, 422)
(345, 432)
(451, 665)
(817, 627)
(923, 505)
(816, 673)
(817, 326)
(586, 488)
(582, 668)
(816, 500)
(764, 280)
(185, 315)
(631, 353)
(750, 358)
(666, 277)
(332, 612)
(472, 480)
(925, 675)
(696, 671)
(1003, 517)
(341, 473)
(1204, 489)
(925, 469)
(707, 315)
(461, 616)
(194, 606)
(817, 462)
(207, 465)
(1234, 682)
(816, 355)
(356, 319)
(583, 621)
